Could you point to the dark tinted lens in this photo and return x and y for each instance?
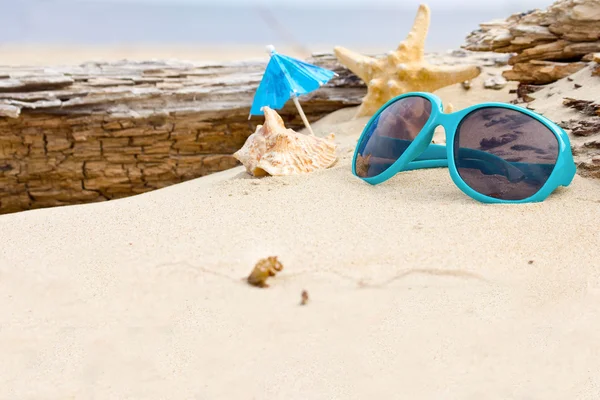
(390, 134)
(504, 153)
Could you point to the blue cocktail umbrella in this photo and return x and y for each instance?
(284, 78)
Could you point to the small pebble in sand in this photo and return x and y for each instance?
(495, 82)
(502, 60)
(576, 85)
(460, 53)
(304, 299)
(264, 269)
(466, 85)
(530, 262)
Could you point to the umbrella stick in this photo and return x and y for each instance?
(297, 103)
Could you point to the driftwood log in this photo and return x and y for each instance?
(101, 131)
(548, 44)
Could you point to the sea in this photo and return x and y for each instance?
(311, 25)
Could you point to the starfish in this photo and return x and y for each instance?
(402, 70)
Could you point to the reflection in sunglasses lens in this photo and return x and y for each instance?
(390, 134)
(504, 153)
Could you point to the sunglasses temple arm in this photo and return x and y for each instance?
(435, 156)
(470, 158)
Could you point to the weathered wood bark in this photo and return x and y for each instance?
(107, 130)
(549, 44)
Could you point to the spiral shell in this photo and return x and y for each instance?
(275, 150)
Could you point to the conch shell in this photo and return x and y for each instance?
(275, 150)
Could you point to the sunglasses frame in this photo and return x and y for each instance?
(562, 174)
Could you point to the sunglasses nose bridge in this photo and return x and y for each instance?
(440, 119)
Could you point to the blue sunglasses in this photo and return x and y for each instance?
(496, 152)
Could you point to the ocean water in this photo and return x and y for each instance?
(114, 23)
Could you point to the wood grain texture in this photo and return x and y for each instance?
(549, 44)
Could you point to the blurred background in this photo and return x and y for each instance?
(68, 31)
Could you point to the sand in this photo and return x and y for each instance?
(35, 54)
(68, 54)
(416, 290)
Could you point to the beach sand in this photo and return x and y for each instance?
(416, 291)
(36, 54)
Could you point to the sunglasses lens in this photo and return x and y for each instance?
(390, 134)
(504, 153)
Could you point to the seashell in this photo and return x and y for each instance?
(264, 269)
(249, 155)
(275, 150)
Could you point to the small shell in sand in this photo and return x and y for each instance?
(275, 150)
(264, 269)
(304, 298)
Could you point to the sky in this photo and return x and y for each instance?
(316, 23)
(337, 3)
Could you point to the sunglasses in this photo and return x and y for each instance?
(496, 152)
